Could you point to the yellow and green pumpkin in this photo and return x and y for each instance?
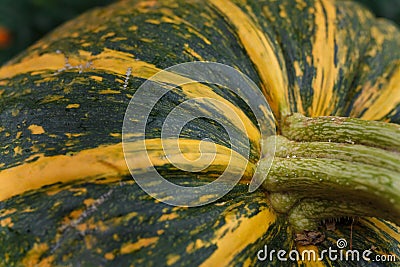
(67, 197)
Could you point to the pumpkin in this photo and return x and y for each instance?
(67, 196)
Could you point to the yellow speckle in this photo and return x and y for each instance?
(116, 237)
(109, 256)
(96, 78)
(69, 135)
(283, 13)
(172, 259)
(195, 245)
(78, 191)
(189, 248)
(191, 52)
(81, 227)
(73, 106)
(109, 91)
(247, 262)
(152, 21)
(297, 68)
(18, 135)
(88, 202)
(28, 210)
(146, 40)
(75, 214)
(36, 129)
(143, 242)
(6, 222)
(300, 4)
(160, 232)
(166, 217)
(118, 135)
(7, 212)
(17, 151)
(130, 215)
(33, 256)
(107, 35)
(117, 39)
(51, 98)
(133, 28)
(53, 192)
(101, 226)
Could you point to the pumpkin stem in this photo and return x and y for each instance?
(335, 167)
(342, 130)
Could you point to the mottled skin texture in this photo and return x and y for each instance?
(62, 103)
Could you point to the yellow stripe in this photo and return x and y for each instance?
(379, 102)
(261, 52)
(323, 57)
(236, 234)
(118, 62)
(383, 229)
(109, 161)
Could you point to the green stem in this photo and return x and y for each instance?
(283, 202)
(308, 213)
(332, 179)
(341, 167)
(342, 130)
(286, 148)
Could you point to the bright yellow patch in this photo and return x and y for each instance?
(96, 78)
(236, 234)
(18, 135)
(109, 91)
(36, 129)
(172, 259)
(17, 151)
(323, 59)
(141, 243)
(32, 257)
(89, 201)
(7, 222)
(133, 28)
(268, 61)
(73, 106)
(167, 217)
(109, 256)
(7, 212)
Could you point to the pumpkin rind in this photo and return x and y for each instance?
(62, 103)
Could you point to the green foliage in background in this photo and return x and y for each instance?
(25, 21)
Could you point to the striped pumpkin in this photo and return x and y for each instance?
(66, 194)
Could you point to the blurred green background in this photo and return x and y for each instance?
(22, 22)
